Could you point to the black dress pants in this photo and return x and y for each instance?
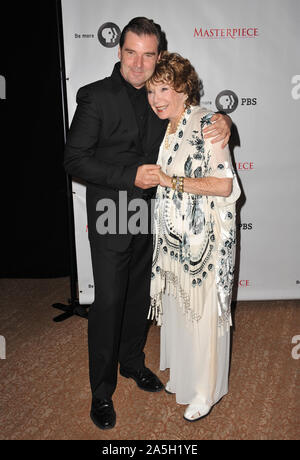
(117, 324)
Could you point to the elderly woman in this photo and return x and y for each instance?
(194, 242)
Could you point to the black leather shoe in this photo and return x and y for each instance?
(144, 378)
(103, 414)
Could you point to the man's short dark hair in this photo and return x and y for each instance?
(144, 26)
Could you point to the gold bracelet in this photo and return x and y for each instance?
(180, 187)
(178, 183)
(174, 181)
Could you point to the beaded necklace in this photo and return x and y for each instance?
(166, 143)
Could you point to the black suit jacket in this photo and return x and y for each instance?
(104, 146)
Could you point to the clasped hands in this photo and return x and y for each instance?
(148, 176)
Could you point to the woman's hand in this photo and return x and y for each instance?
(164, 179)
(219, 130)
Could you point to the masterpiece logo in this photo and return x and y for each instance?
(244, 283)
(245, 166)
(223, 33)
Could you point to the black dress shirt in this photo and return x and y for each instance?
(139, 101)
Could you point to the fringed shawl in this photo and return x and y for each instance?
(194, 236)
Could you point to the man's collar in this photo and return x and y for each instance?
(117, 73)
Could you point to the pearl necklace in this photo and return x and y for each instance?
(166, 143)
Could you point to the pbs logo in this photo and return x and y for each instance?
(227, 101)
(109, 35)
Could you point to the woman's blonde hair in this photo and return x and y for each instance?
(179, 73)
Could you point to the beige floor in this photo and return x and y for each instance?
(44, 385)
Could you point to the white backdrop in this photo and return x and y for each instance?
(249, 50)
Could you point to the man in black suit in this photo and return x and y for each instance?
(113, 145)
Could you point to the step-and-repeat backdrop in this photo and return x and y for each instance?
(248, 57)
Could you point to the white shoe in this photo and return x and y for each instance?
(167, 388)
(194, 412)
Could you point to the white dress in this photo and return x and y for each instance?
(193, 267)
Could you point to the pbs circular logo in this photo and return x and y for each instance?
(227, 101)
(109, 35)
